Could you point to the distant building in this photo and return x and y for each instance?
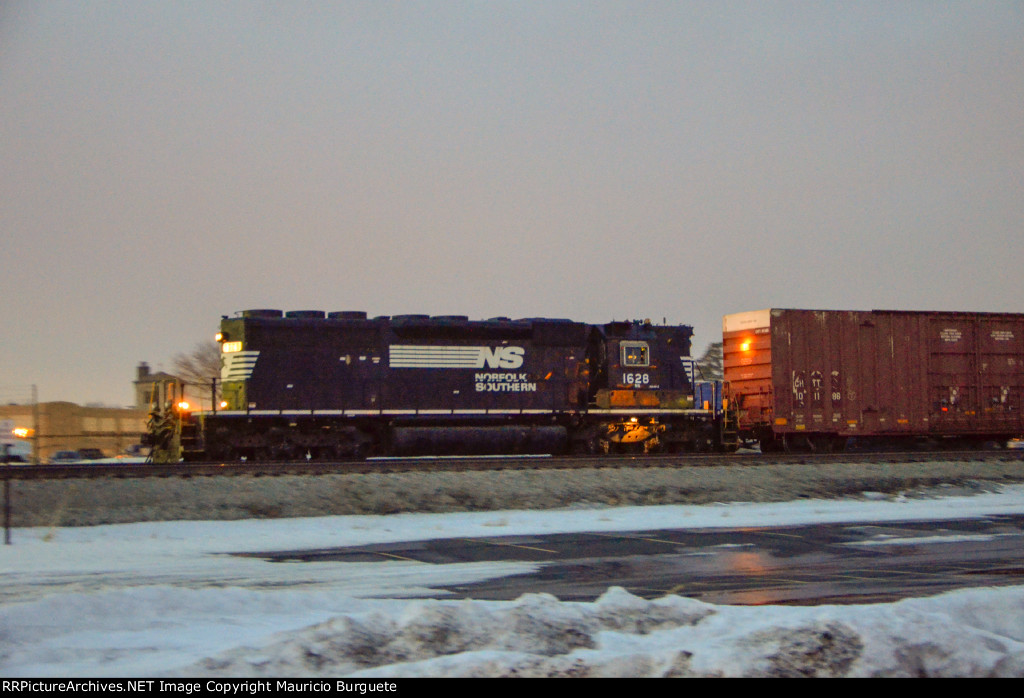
(65, 426)
(148, 385)
(156, 388)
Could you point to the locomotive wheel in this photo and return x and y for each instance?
(279, 446)
(224, 452)
(791, 444)
(654, 446)
(585, 447)
(283, 450)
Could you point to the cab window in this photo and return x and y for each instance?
(635, 354)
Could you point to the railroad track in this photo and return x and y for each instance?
(479, 463)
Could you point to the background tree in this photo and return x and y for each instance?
(710, 364)
(199, 368)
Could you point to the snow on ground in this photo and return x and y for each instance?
(168, 599)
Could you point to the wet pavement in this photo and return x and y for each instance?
(799, 565)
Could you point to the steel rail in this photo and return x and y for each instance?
(484, 463)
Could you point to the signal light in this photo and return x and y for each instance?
(745, 346)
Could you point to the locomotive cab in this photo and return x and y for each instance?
(645, 366)
(644, 387)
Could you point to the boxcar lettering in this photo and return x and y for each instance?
(799, 389)
(816, 387)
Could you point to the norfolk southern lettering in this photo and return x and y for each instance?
(504, 383)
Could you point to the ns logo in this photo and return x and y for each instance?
(500, 357)
(450, 356)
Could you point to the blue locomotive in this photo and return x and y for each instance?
(314, 385)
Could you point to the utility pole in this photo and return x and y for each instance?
(35, 425)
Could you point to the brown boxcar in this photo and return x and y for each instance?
(811, 379)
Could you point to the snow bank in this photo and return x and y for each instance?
(966, 633)
(170, 599)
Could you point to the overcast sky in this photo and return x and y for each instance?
(166, 163)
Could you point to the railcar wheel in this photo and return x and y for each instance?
(822, 443)
(790, 444)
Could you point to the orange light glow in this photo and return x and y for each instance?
(745, 346)
(183, 406)
(753, 564)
